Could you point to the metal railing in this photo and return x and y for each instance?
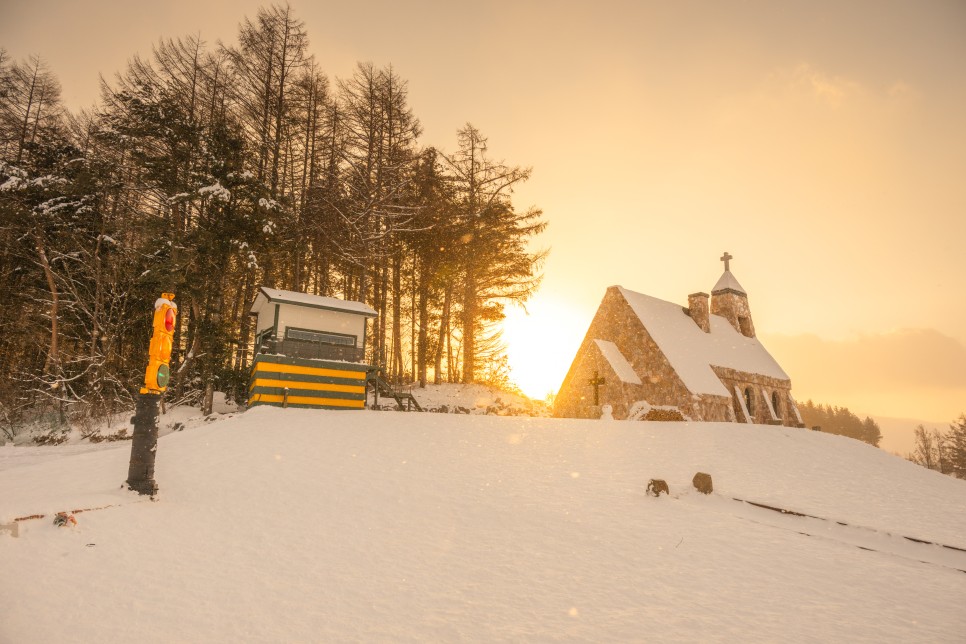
(312, 350)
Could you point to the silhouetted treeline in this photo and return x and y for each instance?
(212, 170)
(841, 421)
(943, 451)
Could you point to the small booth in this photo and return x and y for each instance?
(309, 351)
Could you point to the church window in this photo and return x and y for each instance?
(750, 401)
(776, 403)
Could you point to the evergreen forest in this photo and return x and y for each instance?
(841, 421)
(209, 171)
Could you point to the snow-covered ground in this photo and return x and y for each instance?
(472, 398)
(300, 525)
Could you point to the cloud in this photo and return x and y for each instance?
(831, 90)
(808, 82)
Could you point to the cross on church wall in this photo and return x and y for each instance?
(726, 258)
(596, 382)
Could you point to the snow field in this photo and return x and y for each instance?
(304, 525)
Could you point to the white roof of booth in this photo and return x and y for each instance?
(274, 295)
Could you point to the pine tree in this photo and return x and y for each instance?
(957, 447)
(29, 105)
(925, 453)
(839, 420)
(495, 265)
(380, 133)
(433, 265)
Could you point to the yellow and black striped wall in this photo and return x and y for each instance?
(310, 384)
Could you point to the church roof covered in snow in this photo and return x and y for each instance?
(726, 282)
(692, 352)
(266, 295)
(618, 362)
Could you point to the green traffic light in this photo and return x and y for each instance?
(164, 374)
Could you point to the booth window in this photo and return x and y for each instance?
(317, 337)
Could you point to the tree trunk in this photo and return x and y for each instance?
(52, 364)
(384, 307)
(26, 116)
(212, 346)
(423, 324)
(397, 358)
(469, 326)
(245, 323)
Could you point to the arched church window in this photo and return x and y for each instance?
(750, 401)
(776, 403)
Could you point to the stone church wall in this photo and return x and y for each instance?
(617, 322)
(576, 396)
(760, 386)
(710, 409)
(733, 307)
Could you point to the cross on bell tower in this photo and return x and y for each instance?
(730, 301)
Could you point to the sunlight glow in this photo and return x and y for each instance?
(542, 344)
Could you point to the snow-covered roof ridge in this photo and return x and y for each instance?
(692, 352)
(318, 301)
(618, 362)
(726, 282)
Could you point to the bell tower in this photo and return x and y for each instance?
(730, 301)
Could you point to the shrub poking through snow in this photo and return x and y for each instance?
(53, 437)
(119, 435)
(63, 520)
(656, 486)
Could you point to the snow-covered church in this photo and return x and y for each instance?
(648, 358)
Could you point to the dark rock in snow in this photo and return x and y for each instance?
(702, 483)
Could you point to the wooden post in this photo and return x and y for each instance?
(144, 444)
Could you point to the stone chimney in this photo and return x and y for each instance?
(698, 310)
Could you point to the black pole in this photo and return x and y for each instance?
(140, 474)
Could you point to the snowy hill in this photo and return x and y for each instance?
(472, 399)
(300, 525)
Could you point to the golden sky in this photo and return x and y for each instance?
(823, 144)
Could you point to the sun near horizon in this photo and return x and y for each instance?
(904, 373)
